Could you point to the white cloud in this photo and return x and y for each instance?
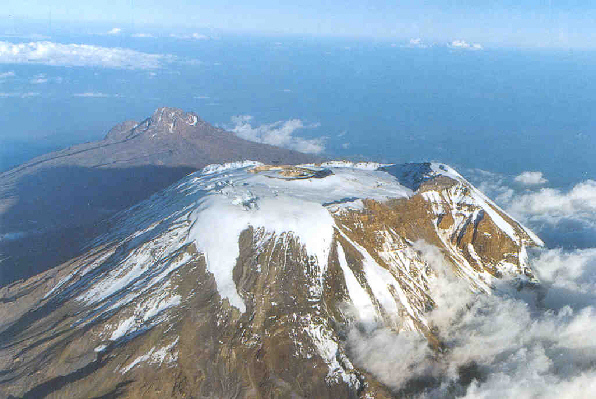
(93, 95)
(146, 35)
(415, 43)
(19, 95)
(549, 203)
(279, 133)
(39, 79)
(114, 31)
(530, 178)
(461, 44)
(199, 36)
(535, 342)
(8, 74)
(196, 36)
(562, 218)
(50, 53)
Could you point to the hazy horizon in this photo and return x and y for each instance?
(535, 23)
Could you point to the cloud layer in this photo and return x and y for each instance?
(50, 53)
(281, 134)
(513, 344)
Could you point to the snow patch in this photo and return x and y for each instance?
(360, 298)
(159, 356)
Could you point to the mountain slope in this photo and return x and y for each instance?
(55, 193)
(243, 280)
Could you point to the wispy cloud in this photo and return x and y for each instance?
(462, 44)
(281, 134)
(8, 74)
(19, 95)
(195, 36)
(114, 31)
(50, 53)
(415, 43)
(92, 94)
(39, 79)
(146, 35)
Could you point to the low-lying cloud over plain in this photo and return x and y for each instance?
(280, 133)
(84, 55)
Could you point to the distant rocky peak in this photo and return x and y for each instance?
(168, 119)
(164, 122)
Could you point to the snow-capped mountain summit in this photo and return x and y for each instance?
(241, 280)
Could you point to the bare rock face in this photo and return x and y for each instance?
(241, 280)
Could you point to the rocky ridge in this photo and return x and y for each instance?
(241, 280)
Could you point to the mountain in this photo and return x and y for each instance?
(246, 279)
(49, 206)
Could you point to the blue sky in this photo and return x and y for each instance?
(535, 23)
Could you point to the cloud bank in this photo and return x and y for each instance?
(512, 344)
(281, 134)
(57, 54)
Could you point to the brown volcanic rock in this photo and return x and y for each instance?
(141, 314)
(50, 206)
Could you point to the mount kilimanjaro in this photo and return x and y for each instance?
(247, 279)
